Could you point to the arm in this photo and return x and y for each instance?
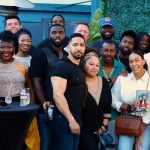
(38, 88)
(28, 84)
(116, 97)
(59, 87)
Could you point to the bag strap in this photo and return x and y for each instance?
(147, 83)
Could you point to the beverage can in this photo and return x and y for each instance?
(50, 113)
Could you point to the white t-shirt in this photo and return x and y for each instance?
(25, 60)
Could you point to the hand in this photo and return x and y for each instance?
(74, 126)
(100, 130)
(136, 103)
(124, 73)
(46, 105)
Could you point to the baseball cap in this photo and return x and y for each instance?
(107, 21)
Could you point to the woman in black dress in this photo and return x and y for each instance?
(96, 106)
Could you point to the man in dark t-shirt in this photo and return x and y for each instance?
(41, 64)
(67, 82)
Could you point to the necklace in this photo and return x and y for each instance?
(108, 77)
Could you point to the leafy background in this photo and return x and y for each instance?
(128, 14)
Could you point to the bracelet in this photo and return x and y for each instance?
(71, 119)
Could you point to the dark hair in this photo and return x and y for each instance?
(109, 42)
(11, 17)
(55, 25)
(75, 35)
(140, 53)
(132, 34)
(89, 52)
(59, 16)
(9, 37)
(23, 31)
(91, 49)
(139, 38)
(82, 23)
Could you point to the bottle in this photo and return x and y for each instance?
(50, 113)
(28, 96)
(23, 98)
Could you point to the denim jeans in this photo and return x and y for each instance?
(127, 142)
(44, 131)
(65, 140)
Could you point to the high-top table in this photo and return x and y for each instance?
(14, 123)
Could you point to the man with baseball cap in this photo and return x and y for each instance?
(107, 32)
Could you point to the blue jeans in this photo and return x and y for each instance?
(65, 140)
(44, 131)
(127, 142)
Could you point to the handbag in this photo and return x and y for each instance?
(128, 125)
(106, 138)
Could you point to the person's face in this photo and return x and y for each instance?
(126, 45)
(24, 42)
(107, 32)
(83, 30)
(144, 43)
(77, 47)
(58, 20)
(7, 50)
(136, 63)
(108, 52)
(91, 67)
(57, 36)
(12, 25)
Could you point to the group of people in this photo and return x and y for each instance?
(81, 82)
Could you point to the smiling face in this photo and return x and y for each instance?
(107, 32)
(7, 50)
(136, 63)
(24, 41)
(91, 66)
(144, 43)
(12, 25)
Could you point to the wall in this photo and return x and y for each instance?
(37, 19)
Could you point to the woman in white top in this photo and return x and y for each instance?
(24, 41)
(124, 96)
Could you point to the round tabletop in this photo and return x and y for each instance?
(15, 107)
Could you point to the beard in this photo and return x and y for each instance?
(105, 37)
(125, 52)
(78, 57)
(57, 44)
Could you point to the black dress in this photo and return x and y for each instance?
(93, 117)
